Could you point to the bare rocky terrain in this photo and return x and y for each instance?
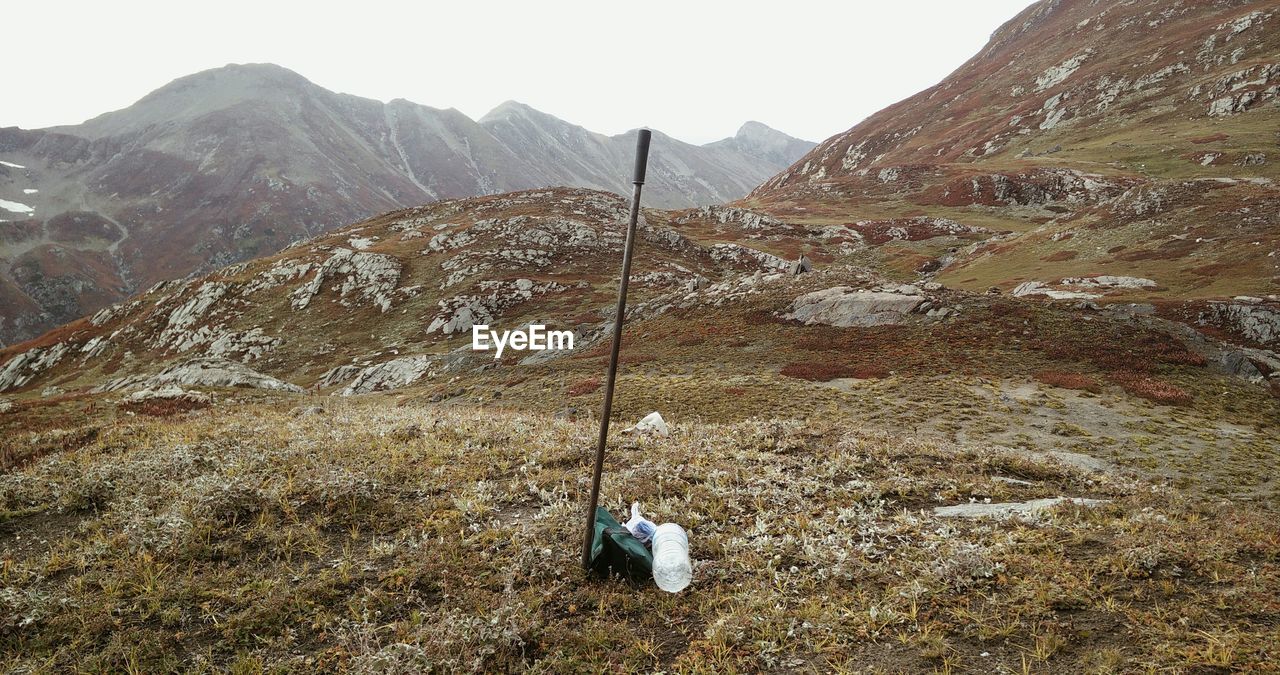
(937, 402)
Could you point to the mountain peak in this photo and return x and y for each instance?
(764, 142)
(752, 128)
(510, 108)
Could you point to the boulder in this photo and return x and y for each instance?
(338, 375)
(844, 307)
(800, 266)
(697, 283)
(1028, 288)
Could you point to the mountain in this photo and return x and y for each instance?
(681, 175)
(237, 162)
(1127, 139)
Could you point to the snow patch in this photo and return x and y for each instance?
(15, 207)
(12, 165)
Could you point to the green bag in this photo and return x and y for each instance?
(614, 550)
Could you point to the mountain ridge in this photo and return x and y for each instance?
(236, 162)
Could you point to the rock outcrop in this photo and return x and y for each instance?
(1250, 318)
(371, 276)
(392, 374)
(845, 307)
(203, 372)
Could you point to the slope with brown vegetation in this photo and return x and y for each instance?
(428, 538)
(1117, 138)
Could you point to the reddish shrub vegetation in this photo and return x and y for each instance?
(584, 387)
(1210, 270)
(1061, 256)
(1119, 348)
(690, 340)
(869, 372)
(1150, 388)
(1210, 139)
(761, 317)
(1065, 380)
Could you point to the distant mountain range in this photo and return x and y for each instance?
(236, 162)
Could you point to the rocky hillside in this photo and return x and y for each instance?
(237, 162)
(1125, 139)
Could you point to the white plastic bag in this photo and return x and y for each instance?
(651, 424)
(640, 527)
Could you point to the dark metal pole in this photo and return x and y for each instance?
(642, 161)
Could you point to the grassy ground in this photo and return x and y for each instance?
(362, 536)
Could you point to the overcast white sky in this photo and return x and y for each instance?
(693, 69)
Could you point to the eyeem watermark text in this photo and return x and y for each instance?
(536, 338)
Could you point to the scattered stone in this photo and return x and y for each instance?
(1130, 309)
(743, 256)
(52, 391)
(1082, 461)
(306, 411)
(1012, 481)
(800, 266)
(940, 312)
(844, 307)
(1108, 281)
(1027, 510)
(5, 405)
(727, 215)
(167, 392)
(570, 414)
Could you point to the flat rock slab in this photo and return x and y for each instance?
(844, 307)
(1007, 509)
